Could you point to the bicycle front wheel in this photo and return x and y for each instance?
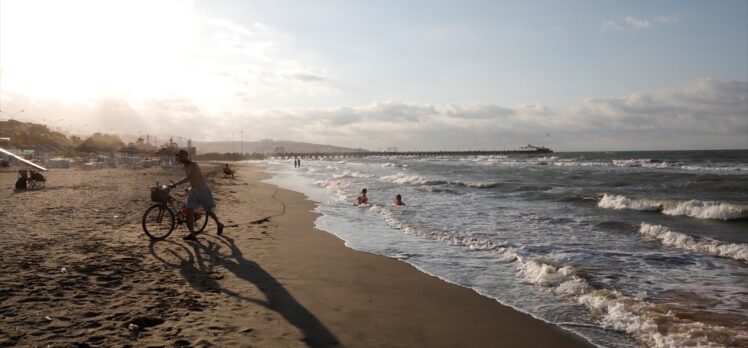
(201, 220)
(158, 222)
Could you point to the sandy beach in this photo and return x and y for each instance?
(76, 270)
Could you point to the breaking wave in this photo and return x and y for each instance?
(647, 163)
(692, 208)
(683, 241)
(349, 174)
(650, 323)
(419, 180)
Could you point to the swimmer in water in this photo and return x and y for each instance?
(362, 199)
(398, 200)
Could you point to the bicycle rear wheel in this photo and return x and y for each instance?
(158, 222)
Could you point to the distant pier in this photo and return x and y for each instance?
(316, 155)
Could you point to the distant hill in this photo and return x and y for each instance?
(33, 136)
(267, 146)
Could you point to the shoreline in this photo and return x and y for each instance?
(483, 322)
(290, 183)
(78, 270)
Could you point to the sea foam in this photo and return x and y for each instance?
(649, 323)
(708, 210)
(738, 251)
(621, 202)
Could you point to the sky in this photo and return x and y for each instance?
(571, 75)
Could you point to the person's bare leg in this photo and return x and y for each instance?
(218, 223)
(190, 224)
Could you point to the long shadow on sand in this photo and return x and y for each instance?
(197, 272)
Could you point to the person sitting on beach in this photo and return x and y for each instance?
(362, 199)
(199, 194)
(398, 200)
(21, 183)
(228, 171)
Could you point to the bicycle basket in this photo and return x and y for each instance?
(159, 194)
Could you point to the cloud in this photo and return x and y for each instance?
(143, 50)
(476, 111)
(707, 114)
(607, 26)
(637, 23)
(309, 77)
(666, 19)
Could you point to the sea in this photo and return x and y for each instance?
(627, 249)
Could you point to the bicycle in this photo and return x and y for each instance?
(159, 219)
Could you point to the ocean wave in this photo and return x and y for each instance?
(573, 163)
(715, 168)
(617, 226)
(419, 180)
(623, 202)
(708, 210)
(639, 162)
(581, 198)
(471, 242)
(683, 241)
(651, 324)
(337, 187)
(483, 185)
(349, 174)
(437, 189)
(411, 180)
(543, 274)
(533, 188)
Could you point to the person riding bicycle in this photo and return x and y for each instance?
(199, 194)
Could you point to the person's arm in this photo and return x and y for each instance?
(186, 178)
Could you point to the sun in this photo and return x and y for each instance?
(79, 50)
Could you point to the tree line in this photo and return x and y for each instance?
(25, 135)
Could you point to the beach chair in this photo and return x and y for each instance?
(36, 181)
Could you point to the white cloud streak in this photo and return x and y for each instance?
(608, 26)
(637, 23)
(632, 22)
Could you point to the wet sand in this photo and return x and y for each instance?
(77, 270)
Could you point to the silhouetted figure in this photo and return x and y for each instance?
(362, 199)
(227, 171)
(199, 195)
(398, 200)
(23, 177)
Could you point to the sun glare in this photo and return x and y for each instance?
(77, 50)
